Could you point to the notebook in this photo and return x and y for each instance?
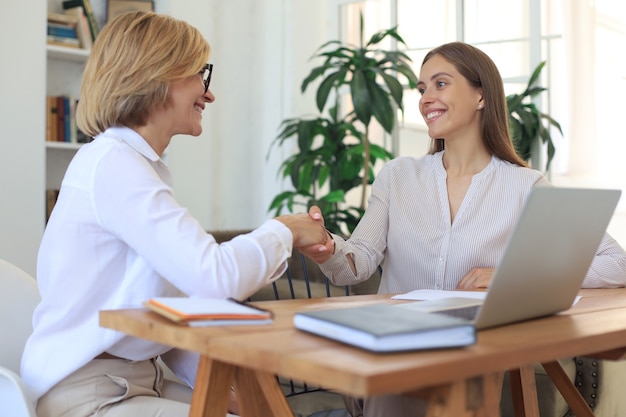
(387, 328)
(545, 261)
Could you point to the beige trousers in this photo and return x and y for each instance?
(116, 388)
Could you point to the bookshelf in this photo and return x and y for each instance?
(64, 71)
(67, 54)
(26, 159)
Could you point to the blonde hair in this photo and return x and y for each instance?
(131, 64)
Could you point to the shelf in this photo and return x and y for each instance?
(68, 54)
(63, 145)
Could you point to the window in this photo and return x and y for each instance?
(582, 42)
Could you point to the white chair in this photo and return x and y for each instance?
(12, 395)
(18, 297)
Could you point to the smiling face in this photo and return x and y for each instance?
(186, 104)
(449, 104)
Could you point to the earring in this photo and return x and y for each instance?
(480, 105)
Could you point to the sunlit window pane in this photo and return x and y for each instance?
(610, 82)
(552, 18)
(511, 58)
(376, 17)
(427, 23)
(412, 114)
(486, 20)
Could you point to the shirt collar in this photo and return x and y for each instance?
(134, 140)
(439, 168)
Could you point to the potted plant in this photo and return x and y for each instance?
(527, 122)
(334, 152)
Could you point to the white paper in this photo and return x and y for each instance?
(439, 294)
(425, 295)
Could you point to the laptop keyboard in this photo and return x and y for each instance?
(468, 313)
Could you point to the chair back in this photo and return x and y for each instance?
(18, 297)
(12, 398)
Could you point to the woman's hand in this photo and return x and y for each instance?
(306, 229)
(319, 253)
(476, 278)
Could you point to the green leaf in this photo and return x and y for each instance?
(513, 101)
(532, 92)
(551, 121)
(361, 99)
(335, 196)
(407, 71)
(326, 86)
(379, 152)
(381, 106)
(324, 173)
(277, 201)
(302, 134)
(395, 88)
(315, 72)
(535, 76)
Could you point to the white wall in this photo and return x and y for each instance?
(260, 50)
(22, 47)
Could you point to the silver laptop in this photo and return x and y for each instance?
(545, 261)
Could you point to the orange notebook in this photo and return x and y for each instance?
(208, 311)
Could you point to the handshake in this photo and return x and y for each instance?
(309, 234)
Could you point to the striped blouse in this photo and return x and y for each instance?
(407, 225)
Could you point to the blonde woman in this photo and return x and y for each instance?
(117, 235)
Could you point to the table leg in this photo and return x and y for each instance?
(573, 398)
(212, 389)
(475, 397)
(260, 394)
(492, 393)
(524, 392)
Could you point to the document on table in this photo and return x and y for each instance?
(439, 294)
(427, 295)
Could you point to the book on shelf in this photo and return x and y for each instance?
(387, 328)
(61, 19)
(208, 311)
(61, 30)
(82, 26)
(63, 41)
(51, 119)
(61, 120)
(89, 14)
(71, 120)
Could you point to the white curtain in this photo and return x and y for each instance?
(579, 145)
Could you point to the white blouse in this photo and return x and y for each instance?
(407, 225)
(117, 237)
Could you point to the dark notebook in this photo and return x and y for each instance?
(387, 328)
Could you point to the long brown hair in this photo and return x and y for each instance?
(481, 72)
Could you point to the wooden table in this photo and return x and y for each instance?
(458, 382)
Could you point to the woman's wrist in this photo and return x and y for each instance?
(332, 239)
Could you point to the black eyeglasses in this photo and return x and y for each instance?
(206, 72)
